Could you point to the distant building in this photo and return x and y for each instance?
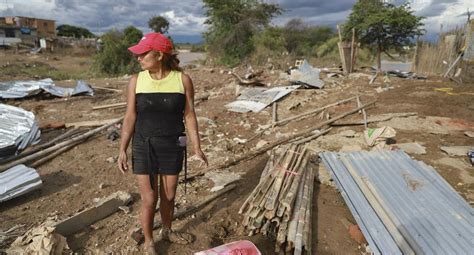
(26, 29)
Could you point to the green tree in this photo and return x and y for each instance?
(232, 25)
(131, 35)
(114, 59)
(383, 26)
(159, 24)
(73, 31)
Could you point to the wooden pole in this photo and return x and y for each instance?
(57, 146)
(364, 114)
(341, 51)
(253, 153)
(35, 149)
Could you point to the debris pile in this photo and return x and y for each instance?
(280, 205)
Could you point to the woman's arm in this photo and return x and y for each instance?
(190, 118)
(128, 124)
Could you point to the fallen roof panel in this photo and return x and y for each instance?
(431, 216)
(17, 181)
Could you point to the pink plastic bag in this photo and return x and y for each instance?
(243, 247)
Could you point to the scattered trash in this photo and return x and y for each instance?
(113, 135)
(22, 89)
(406, 75)
(17, 181)
(39, 240)
(239, 247)
(378, 136)
(239, 140)
(18, 129)
(256, 99)
(307, 75)
(470, 155)
(124, 209)
(456, 150)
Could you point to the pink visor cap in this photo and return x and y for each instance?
(152, 41)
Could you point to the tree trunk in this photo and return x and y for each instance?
(379, 60)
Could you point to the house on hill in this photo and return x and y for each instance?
(28, 30)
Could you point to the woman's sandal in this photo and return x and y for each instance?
(150, 249)
(176, 237)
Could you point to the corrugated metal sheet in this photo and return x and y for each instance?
(256, 99)
(307, 75)
(431, 216)
(18, 129)
(21, 89)
(17, 181)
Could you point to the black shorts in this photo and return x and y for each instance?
(157, 155)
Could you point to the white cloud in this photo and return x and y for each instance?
(186, 17)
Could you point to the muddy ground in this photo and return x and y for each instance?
(72, 180)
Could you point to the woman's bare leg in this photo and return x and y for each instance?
(147, 211)
(168, 184)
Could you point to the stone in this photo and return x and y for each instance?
(356, 234)
(411, 148)
(456, 150)
(260, 144)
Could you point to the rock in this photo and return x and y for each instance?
(356, 234)
(379, 90)
(411, 148)
(112, 159)
(469, 133)
(324, 177)
(260, 144)
(456, 150)
(124, 209)
(348, 133)
(103, 185)
(239, 140)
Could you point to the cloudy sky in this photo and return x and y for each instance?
(187, 16)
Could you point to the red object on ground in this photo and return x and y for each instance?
(356, 234)
(243, 247)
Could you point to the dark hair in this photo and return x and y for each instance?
(171, 61)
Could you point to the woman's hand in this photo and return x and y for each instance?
(198, 152)
(122, 161)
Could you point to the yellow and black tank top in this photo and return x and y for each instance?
(159, 105)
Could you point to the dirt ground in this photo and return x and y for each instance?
(72, 180)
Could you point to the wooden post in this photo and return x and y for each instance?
(351, 68)
(341, 52)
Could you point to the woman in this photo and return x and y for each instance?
(159, 99)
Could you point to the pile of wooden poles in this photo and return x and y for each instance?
(280, 205)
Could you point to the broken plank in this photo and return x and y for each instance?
(375, 118)
(90, 123)
(104, 208)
